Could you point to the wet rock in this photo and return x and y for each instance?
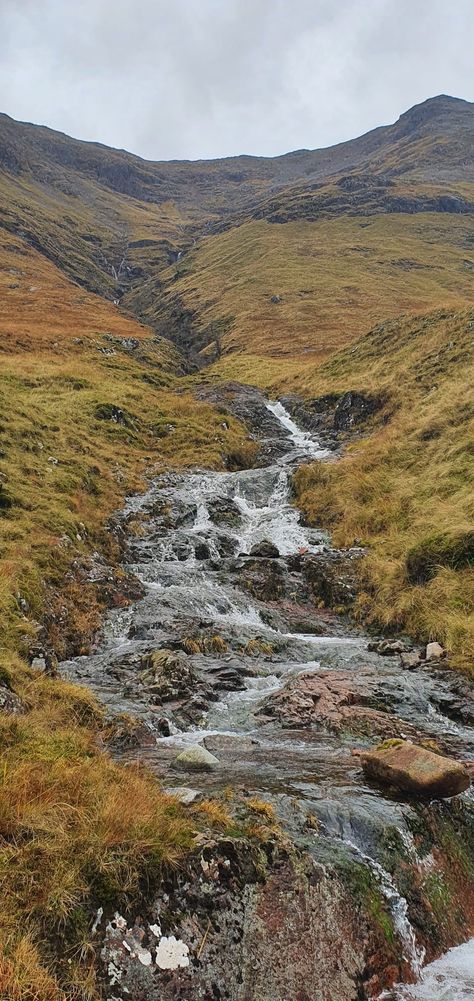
(230, 745)
(196, 759)
(265, 549)
(336, 701)
(416, 770)
(387, 648)
(224, 511)
(263, 578)
(434, 651)
(202, 551)
(332, 576)
(167, 675)
(410, 661)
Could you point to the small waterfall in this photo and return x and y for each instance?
(398, 909)
(302, 440)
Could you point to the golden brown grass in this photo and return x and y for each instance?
(76, 832)
(65, 463)
(335, 278)
(411, 480)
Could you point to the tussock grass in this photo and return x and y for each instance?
(77, 832)
(406, 490)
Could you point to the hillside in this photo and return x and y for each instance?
(131, 293)
(405, 489)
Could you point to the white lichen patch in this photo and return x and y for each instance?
(143, 955)
(172, 953)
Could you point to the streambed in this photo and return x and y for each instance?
(192, 556)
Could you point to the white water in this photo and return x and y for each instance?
(398, 908)
(450, 978)
(262, 497)
(302, 440)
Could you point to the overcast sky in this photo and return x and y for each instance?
(205, 78)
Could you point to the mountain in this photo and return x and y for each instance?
(132, 294)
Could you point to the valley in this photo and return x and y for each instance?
(236, 470)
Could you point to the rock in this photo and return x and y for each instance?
(224, 511)
(410, 661)
(197, 759)
(387, 648)
(263, 578)
(230, 745)
(434, 651)
(335, 700)
(167, 675)
(275, 299)
(415, 770)
(184, 794)
(266, 549)
(202, 551)
(9, 702)
(332, 576)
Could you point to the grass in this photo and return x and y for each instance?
(405, 490)
(76, 832)
(90, 408)
(335, 277)
(84, 419)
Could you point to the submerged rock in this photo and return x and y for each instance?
(416, 770)
(197, 759)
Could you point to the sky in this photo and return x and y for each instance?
(207, 78)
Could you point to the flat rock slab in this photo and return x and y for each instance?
(336, 701)
(416, 770)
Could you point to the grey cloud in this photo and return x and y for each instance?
(201, 78)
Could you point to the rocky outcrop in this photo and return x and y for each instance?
(332, 576)
(416, 770)
(167, 675)
(334, 700)
(244, 923)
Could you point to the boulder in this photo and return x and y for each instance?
(387, 648)
(196, 759)
(434, 651)
(184, 794)
(265, 549)
(415, 770)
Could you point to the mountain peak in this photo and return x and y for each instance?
(442, 108)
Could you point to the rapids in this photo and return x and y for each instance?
(199, 527)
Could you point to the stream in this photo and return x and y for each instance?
(201, 584)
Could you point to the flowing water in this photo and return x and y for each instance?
(198, 529)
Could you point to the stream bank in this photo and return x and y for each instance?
(372, 885)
